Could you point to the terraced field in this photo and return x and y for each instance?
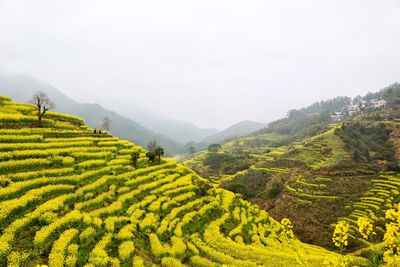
(69, 197)
(321, 151)
(309, 187)
(257, 148)
(318, 177)
(383, 195)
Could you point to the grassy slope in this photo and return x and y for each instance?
(311, 198)
(68, 196)
(321, 183)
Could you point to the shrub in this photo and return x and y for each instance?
(275, 189)
(239, 189)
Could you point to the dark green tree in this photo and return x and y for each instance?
(275, 189)
(151, 155)
(159, 152)
(239, 189)
(213, 148)
(134, 157)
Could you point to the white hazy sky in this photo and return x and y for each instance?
(209, 62)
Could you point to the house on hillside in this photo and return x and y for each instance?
(378, 103)
(361, 103)
(353, 109)
(337, 116)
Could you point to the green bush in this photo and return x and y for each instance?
(227, 163)
(275, 189)
(367, 142)
(239, 188)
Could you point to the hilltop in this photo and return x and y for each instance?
(71, 196)
(334, 160)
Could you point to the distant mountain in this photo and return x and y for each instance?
(237, 130)
(22, 87)
(182, 132)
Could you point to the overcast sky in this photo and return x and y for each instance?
(212, 63)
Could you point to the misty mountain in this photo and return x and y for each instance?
(182, 132)
(237, 130)
(22, 87)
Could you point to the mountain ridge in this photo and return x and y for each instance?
(179, 131)
(236, 130)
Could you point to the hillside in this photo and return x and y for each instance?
(315, 170)
(72, 197)
(315, 183)
(22, 87)
(307, 121)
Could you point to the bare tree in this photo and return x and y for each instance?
(152, 146)
(106, 124)
(43, 104)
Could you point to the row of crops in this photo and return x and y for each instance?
(321, 151)
(383, 195)
(72, 198)
(363, 194)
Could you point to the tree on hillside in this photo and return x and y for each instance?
(151, 155)
(214, 148)
(134, 157)
(43, 104)
(152, 146)
(154, 151)
(159, 153)
(292, 114)
(106, 124)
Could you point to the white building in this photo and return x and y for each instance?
(378, 103)
(337, 116)
(353, 109)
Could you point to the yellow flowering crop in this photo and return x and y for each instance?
(287, 227)
(340, 235)
(126, 250)
(57, 254)
(365, 228)
(392, 237)
(138, 262)
(100, 211)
